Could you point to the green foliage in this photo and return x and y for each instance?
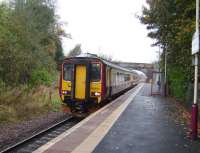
(171, 23)
(2, 84)
(176, 78)
(59, 55)
(75, 51)
(30, 48)
(29, 40)
(41, 77)
(56, 104)
(20, 104)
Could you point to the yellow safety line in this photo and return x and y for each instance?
(89, 144)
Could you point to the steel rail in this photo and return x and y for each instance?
(42, 132)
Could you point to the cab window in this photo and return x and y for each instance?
(67, 72)
(95, 72)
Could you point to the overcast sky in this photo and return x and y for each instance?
(107, 26)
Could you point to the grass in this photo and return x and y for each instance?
(23, 103)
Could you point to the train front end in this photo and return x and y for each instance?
(81, 84)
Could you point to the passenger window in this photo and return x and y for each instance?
(67, 72)
(95, 72)
(127, 77)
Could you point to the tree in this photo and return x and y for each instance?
(171, 23)
(29, 40)
(106, 57)
(59, 55)
(75, 51)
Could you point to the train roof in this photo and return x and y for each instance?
(93, 56)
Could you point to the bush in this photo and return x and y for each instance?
(18, 105)
(2, 86)
(178, 83)
(41, 77)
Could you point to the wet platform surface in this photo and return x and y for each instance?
(147, 126)
(133, 123)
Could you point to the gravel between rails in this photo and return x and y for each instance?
(10, 134)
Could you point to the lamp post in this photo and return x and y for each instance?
(194, 121)
(159, 59)
(159, 73)
(165, 83)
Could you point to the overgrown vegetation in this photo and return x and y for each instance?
(171, 23)
(29, 40)
(75, 51)
(23, 103)
(106, 57)
(30, 50)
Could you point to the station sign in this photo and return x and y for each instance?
(195, 43)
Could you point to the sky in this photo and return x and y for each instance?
(107, 26)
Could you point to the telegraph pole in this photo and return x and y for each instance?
(195, 50)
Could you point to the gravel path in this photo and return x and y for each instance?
(10, 134)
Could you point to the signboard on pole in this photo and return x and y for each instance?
(195, 43)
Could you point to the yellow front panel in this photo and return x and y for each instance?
(80, 82)
(66, 85)
(95, 87)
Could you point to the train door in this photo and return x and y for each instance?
(108, 81)
(80, 81)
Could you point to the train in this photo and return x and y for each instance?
(87, 81)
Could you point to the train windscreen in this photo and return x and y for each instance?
(67, 72)
(95, 72)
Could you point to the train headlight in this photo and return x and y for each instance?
(97, 94)
(66, 92)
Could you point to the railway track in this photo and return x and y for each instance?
(35, 141)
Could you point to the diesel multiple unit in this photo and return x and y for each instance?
(88, 80)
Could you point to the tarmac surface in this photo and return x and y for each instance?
(148, 126)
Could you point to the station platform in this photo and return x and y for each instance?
(133, 123)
